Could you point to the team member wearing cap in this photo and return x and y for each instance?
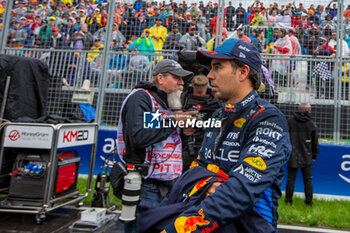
(248, 151)
(153, 147)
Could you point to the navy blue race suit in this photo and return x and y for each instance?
(250, 149)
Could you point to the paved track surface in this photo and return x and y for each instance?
(59, 221)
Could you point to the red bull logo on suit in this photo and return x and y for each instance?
(189, 224)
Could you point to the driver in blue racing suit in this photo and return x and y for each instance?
(248, 151)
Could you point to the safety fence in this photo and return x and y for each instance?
(321, 81)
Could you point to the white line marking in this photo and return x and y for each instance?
(309, 229)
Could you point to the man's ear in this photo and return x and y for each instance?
(160, 80)
(243, 72)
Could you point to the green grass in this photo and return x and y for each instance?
(334, 214)
(82, 183)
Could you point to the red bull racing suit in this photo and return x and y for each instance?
(250, 148)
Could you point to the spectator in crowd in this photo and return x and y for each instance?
(313, 18)
(154, 17)
(117, 36)
(347, 12)
(45, 31)
(333, 11)
(271, 18)
(333, 43)
(296, 49)
(311, 42)
(35, 26)
(83, 39)
(213, 24)
(164, 16)
(158, 33)
(259, 41)
(97, 47)
(20, 9)
(24, 24)
(57, 41)
(240, 12)
(279, 68)
(328, 22)
(138, 5)
(93, 25)
(182, 24)
(304, 139)
(144, 43)
(77, 24)
(201, 25)
(119, 61)
(241, 35)
(137, 68)
(45, 11)
(323, 70)
(17, 36)
(211, 43)
(201, 7)
(95, 17)
(127, 27)
(173, 38)
(68, 30)
(193, 11)
(230, 13)
(82, 15)
(258, 19)
(191, 41)
(140, 141)
(345, 81)
(139, 25)
(37, 43)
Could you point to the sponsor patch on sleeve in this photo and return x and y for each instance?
(256, 162)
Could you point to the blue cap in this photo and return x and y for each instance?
(233, 49)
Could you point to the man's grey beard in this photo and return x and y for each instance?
(174, 99)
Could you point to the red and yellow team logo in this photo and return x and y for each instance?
(189, 224)
(199, 185)
(239, 122)
(230, 108)
(194, 164)
(256, 162)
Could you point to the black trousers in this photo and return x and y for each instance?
(307, 178)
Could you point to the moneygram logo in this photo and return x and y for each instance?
(152, 120)
(14, 135)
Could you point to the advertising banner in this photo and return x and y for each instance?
(331, 171)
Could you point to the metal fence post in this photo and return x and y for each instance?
(338, 72)
(5, 26)
(219, 23)
(104, 61)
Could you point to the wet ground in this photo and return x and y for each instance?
(60, 220)
(56, 221)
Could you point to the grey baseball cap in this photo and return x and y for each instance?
(172, 67)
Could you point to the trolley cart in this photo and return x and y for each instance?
(45, 169)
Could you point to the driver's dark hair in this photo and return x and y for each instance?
(253, 74)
